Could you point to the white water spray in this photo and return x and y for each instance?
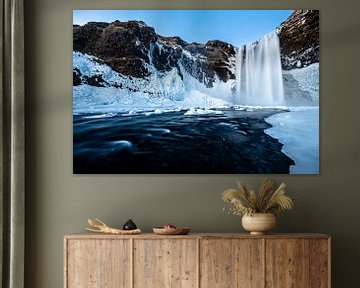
(259, 77)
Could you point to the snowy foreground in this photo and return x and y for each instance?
(298, 130)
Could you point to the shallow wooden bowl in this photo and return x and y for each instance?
(171, 231)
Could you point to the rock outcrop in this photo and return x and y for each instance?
(299, 39)
(124, 46)
(135, 50)
(132, 47)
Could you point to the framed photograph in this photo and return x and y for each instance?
(196, 91)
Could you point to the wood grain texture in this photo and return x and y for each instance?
(319, 263)
(197, 260)
(231, 263)
(98, 264)
(287, 263)
(164, 263)
(88, 235)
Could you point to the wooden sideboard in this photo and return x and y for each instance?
(197, 260)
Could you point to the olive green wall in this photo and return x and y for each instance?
(59, 202)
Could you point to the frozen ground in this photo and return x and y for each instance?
(298, 130)
(308, 79)
(98, 100)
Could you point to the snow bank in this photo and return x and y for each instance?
(160, 111)
(249, 108)
(155, 93)
(89, 66)
(157, 84)
(91, 99)
(219, 90)
(202, 112)
(308, 79)
(105, 100)
(196, 98)
(298, 130)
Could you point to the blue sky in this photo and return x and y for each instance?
(233, 26)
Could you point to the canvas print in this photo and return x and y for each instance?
(196, 91)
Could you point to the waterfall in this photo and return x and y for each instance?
(259, 79)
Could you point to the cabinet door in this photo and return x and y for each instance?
(231, 263)
(98, 263)
(165, 263)
(320, 263)
(295, 263)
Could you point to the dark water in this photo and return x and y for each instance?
(233, 142)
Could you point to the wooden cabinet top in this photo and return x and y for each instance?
(199, 236)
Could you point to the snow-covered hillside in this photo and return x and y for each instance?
(307, 78)
(165, 90)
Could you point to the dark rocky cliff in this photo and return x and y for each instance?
(299, 39)
(130, 47)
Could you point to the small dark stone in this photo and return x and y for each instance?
(95, 80)
(129, 225)
(76, 77)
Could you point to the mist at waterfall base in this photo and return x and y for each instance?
(241, 126)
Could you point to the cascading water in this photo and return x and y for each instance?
(259, 79)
